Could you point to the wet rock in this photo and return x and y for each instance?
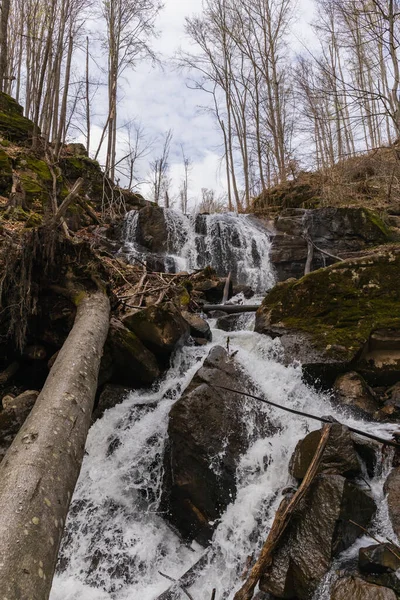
(320, 531)
(132, 362)
(379, 558)
(161, 328)
(339, 456)
(392, 489)
(212, 289)
(352, 390)
(152, 231)
(231, 322)
(207, 434)
(354, 588)
(368, 451)
(199, 328)
(110, 397)
(246, 290)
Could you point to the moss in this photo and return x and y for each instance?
(39, 167)
(33, 220)
(5, 143)
(5, 173)
(184, 297)
(341, 305)
(377, 222)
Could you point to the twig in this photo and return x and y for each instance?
(213, 594)
(184, 590)
(303, 414)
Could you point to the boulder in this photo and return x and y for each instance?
(392, 490)
(379, 558)
(199, 328)
(207, 434)
(328, 319)
(132, 363)
(152, 231)
(160, 327)
(320, 531)
(339, 456)
(212, 289)
(13, 125)
(110, 396)
(352, 390)
(354, 588)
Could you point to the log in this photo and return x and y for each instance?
(39, 471)
(231, 308)
(68, 200)
(281, 521)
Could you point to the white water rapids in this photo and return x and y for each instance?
(116, 541)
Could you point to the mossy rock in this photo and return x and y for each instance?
(36, 178)
(13, 125)
(338, 307)
(74, 167)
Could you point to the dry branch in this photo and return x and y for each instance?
(281, 521)
(68, 200)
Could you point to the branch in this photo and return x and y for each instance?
(68, 200)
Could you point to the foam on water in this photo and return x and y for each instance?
(117, 540)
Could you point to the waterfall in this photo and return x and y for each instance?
(116, 541)
(227, 242)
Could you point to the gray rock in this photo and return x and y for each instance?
(110, 397)
(199, 328)
(207, 434)
(379, 558)
(339, 456)
(352, 390)
(392, 489)
(231, 322)
(354, 588)
(320, 531)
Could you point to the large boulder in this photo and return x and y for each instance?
(132, 363)
(341, 231)
(161, 328)
(152, 231)
(354, 588)
(13, 125)
(207, 433)
(328, 319)
(320, 531)
(352, 390)
(339, 457)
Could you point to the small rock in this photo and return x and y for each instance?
(352, 390)
(231, 322)
(379, 558)
(392, 489)
(339, 456)
(354, 588)
(199, 328)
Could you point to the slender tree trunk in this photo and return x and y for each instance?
(39, 472)
(5, 12)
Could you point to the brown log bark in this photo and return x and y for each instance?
(231, 308)
(281, 521)
(39, 472)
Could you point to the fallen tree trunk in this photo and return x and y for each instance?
(281, 521)
(39, 472)
(231, 308)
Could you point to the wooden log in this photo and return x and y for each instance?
(231, 308)
(39, 471)
(281, 521)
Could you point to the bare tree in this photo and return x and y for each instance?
(159, 169)
(183, 191)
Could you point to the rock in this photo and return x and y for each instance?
(207, 434)
(13, 125)
(354, 588)
(320, 531)
(339, 231)
(133, 363)
(339, 456)
(392, 489)
(152, 231)
(15, 410)
(110, 397)
(352, 390)
(246, 290)
(161, 328)
(212, 289)
(34, 352)
(199, 328)
(368, 450)
(231, 322)
(327, 319)
(379, 558)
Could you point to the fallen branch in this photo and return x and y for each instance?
(281, 521)
(308, 416)
(68, 200)
(231, 308)
(39, 471)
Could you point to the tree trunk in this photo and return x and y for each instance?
(5, 11)
(39, 472)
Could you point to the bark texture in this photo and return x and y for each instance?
(39, 472)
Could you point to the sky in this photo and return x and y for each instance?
(159, 98)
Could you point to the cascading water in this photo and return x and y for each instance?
(227, 242)
(117, 543)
